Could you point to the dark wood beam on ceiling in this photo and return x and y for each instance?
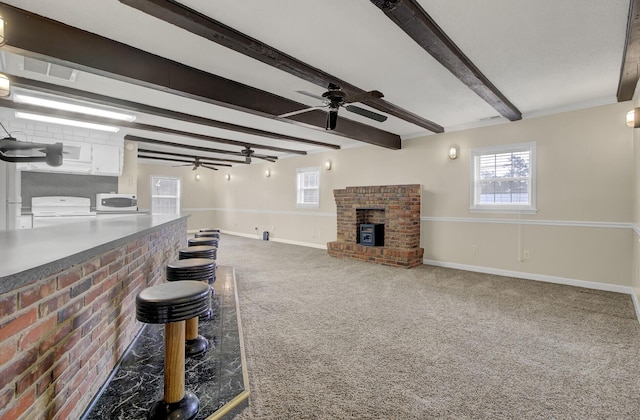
(416, 23)
(206, 27)
(186, 146)
(35, 36)
(189, 162)
(203, 159)
(98, 99)
(630, 68)
(207, 158)
(139, 126)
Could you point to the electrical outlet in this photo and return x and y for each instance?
(526, 254)
(474, 248)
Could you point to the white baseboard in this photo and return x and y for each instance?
(272, 239)
(538, 277)
(636, 303)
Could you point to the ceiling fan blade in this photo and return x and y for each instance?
(300, 111)
(267, 158)
(313, 95)
(209, 167)
(359, 97)
(332, 119)
(366, 113)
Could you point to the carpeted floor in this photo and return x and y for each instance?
(333, 339)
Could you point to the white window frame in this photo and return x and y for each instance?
(528, 207)
(156, 178)
(300, 188)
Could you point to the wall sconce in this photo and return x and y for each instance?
(327, 165)
(453, 152)
(267, 173)
(197, 177)
(227, 177)
(5, 86)
(633, 118)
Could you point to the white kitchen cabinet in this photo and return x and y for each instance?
(106, 160)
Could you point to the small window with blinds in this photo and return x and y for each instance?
(503, 179)
(165, 195)
(308, 187)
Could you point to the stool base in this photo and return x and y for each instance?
(196, 347)
(185, 409)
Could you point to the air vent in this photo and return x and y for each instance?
(49, 69)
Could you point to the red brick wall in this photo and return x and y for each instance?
(397, 206)
(61, 336)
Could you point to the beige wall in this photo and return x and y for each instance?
(585, 182)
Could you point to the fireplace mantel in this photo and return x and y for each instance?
(400, 209)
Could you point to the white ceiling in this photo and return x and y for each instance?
(544, 56)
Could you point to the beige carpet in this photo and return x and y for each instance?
(334, 339)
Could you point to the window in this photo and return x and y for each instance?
(503, 179)
(308, 187)
(165, 195)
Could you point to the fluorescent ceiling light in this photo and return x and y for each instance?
(49, 103)
(64, 121)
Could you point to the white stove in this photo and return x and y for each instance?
(57, 210)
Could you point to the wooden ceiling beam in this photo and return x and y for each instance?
(208, 28)
(208, 161)
(208, 158)
(416, 23)
(38, 37)
(41, 110)
(186, 146)
(76, 94)
(630, 68)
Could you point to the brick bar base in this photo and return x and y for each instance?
(397, 257)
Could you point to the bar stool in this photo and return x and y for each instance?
(203, 241)
(209, 230)
(198, 251)
(172, 304)
(200, 269)
(207, 235)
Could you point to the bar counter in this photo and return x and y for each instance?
(29, 254)
(67, 306)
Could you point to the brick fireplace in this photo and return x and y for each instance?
(395, 206)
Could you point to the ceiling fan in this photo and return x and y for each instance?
(248, 153)
(197, 164)
(335, 98)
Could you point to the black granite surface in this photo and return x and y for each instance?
(215, 378)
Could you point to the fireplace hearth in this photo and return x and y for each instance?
(395, 208)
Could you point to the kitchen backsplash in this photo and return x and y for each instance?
(38, 184)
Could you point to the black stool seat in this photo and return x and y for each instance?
(210, 230)
(191, 269)
(172, 302)
(207, 235)
(198, 251)
(203, 241)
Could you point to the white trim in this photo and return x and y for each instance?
(565, 223)
(256, 211)
(636, 304)
(272, 239)
(636, 229)
(537, 277)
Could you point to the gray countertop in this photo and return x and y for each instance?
(30, 254)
